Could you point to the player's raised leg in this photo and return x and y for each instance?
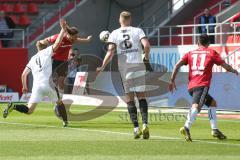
(20, 108)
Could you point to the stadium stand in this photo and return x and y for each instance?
(47, 22)
(19, 8)
(27, 7)
(24, 21)
(170, 33)
(25, 12)
(32, 8)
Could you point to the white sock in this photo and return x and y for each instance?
(191, 117)
(136, 129)
(144, 125)
(212, 115)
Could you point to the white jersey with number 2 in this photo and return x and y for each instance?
(128, 43)
(129, 52)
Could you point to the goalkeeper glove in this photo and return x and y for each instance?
(147, 65)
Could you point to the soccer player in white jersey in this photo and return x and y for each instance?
(41, 67)
(130, 43)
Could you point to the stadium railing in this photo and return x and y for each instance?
(216, 8)
(187, 34)
(18, 39)
(228, 57)
(164, 12)
(47, 21)
(225, 27)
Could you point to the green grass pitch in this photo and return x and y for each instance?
(41, 137)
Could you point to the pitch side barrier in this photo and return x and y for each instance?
(107, 89)
(105, 92)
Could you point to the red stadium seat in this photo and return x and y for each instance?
(6, 8)
(51, 1)
(38, 1)
(32, 8)
(24, 21)
(14, 18)
(19, 8)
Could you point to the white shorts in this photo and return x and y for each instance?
(39, 92)
(134, 82)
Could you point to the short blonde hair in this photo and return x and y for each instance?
(125, 15)
(40, 46)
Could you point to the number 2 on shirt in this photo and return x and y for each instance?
(195, 58)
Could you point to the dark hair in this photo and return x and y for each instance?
(204, 40)
(72, 30)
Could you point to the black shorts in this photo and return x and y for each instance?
(200, 96)
(59, 68)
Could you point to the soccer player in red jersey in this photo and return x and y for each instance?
(200, 64)
(62, 53)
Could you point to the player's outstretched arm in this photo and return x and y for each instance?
(58, 41)
(24, 80)
(107, 58)
(84, 40)
(229, 68)
(172, 85)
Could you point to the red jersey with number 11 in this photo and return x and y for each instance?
(200, 63)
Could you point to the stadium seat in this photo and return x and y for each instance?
(7, 8)
(51, 1)
(38, 1)
(32, 8)
(19, 8)
(24, 20)
(14, 18)
(9, 1)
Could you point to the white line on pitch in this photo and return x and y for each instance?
(114, 132)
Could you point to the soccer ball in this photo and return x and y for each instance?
(104, 36)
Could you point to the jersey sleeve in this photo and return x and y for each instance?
(30, 64)
(53, 38)
(185, 58)
(112, 38)
(141, 34)
(217, 59)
